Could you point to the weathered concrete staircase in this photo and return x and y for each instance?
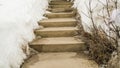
(59, 30)
(58, 44)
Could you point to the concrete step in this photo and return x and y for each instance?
(58, 44)
(58, 0)
(56, 10)
(60, 15)
(58, 22)
(60, 6)
(60, 3)
(60, 60)
(57, 32)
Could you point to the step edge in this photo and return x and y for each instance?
(45, 30)
(61, 44)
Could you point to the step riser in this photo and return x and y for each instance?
(58, 24)
(60, 10)
(60, 48)
(60, 6)
(56, 33)
(60, 15)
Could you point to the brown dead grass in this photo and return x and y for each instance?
(100, 47)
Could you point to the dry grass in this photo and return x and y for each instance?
(100, 47)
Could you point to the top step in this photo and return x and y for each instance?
(58, 0)
(60, 3)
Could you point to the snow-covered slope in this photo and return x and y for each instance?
(18, 19)
(99, 10)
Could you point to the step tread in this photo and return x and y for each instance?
(58, 20)
(58, 0)
(60, 6)
(58, 29)
(61, 13)
(60, 60)
(60, 3)
(60, 9)
(57, 40)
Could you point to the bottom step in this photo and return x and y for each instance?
(58, 44)
(60, 60)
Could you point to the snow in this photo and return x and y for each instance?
(115, 17)
(99, 10)
(18, 19)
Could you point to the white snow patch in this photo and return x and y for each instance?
(18, 19)
(98, 12)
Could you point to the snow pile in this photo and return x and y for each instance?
(18, 19)
(99, 10)
(115, 17)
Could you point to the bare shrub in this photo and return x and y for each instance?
(100, 44)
